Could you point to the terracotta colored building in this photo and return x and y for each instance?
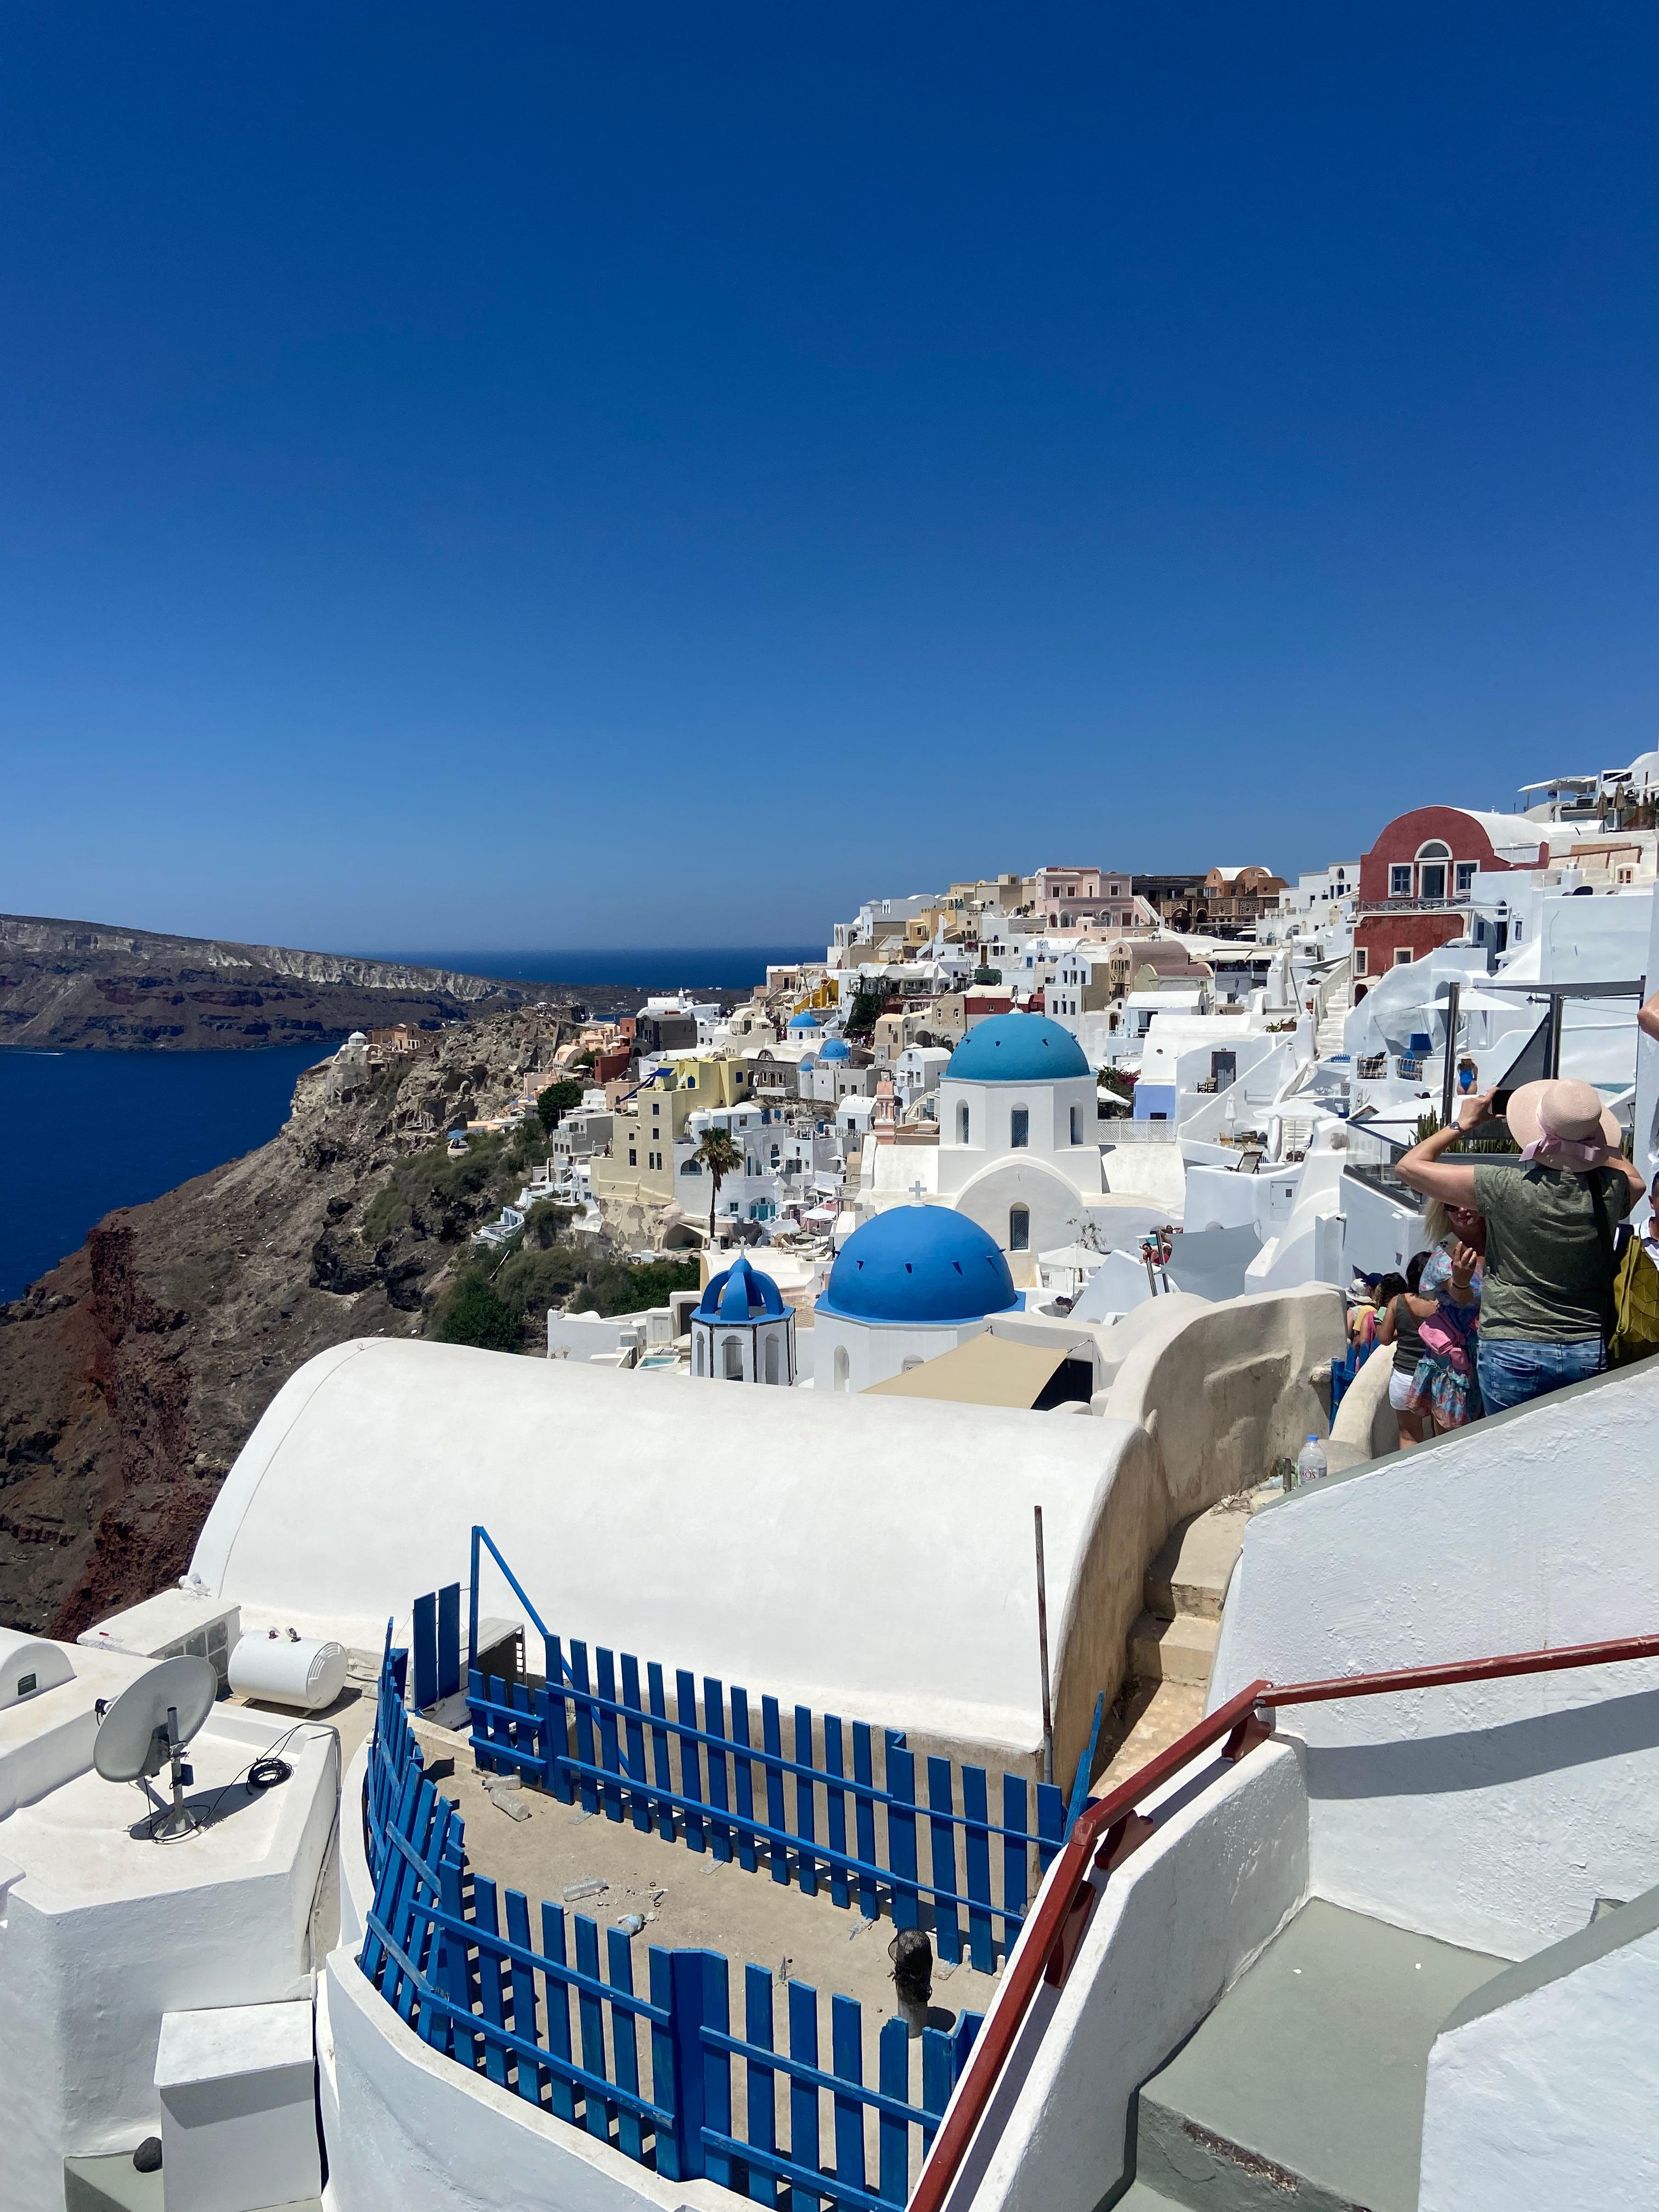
(1415, 882)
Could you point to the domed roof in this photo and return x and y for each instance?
(806, 1020)
(837, 1049)
(740, 1293)
(805, 1062)
(1016, 1048)
(918, 1263)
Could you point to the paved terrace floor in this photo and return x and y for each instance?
(700, 1902)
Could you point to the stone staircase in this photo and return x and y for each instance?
(1172, 1644)
(1305, 2085)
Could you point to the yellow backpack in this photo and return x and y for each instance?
(1635, 1306)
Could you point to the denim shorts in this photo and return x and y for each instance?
(1512, 1370)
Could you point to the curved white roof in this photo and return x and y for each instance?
(869, 1557)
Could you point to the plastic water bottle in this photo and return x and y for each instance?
(1310, 1463)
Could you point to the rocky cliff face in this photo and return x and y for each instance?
(131, 1374)
(67, 984)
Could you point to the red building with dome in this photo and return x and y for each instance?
(1415, 882)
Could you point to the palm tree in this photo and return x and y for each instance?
(719, 1157)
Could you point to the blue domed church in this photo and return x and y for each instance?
(908, 1286)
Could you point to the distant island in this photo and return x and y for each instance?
(85, 986)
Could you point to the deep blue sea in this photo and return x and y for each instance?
(80, 1132)
(652, 968)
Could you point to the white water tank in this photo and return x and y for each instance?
(286, 1669)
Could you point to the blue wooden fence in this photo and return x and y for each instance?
(839, 1808)
(663, 2077)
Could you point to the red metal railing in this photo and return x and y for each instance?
(1107, 1831)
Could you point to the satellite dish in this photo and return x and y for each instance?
(149, 1724)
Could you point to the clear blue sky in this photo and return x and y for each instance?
(531, 475)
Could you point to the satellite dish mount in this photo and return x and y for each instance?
(146, 1730)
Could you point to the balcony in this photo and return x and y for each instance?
(1458, 904)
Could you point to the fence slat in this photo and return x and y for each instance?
(684, 1997)
(604, 1678)
(524, 1729)
(665, 2073)
(772, 1738)
(947, 1929)
(938, 2080)
(685, 1707)
(489, 1979)
(660, 1765)
(864, 1814)
(1015, 1859)
(893, 2136)
(760, 2081)
(713, 1723)
(805, 1865)
(742, 1777)
(803, 2097)
(835, 1803)
(454, 1972)
(619, 1959)
(449, 1641)
(423, 1643)
(716, 2068)
(557, 1995)
(555, 1745)
(847, 2064)
(589, 2011)
(902, 1832)
(978, 1854)
(525, 2023)
(584, 1714)
(638, 1795)
(1051, 1822)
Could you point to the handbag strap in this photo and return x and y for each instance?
(1604, 1233)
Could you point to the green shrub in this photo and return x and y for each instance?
(473, 1314)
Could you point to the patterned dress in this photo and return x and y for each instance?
(1443, 1385)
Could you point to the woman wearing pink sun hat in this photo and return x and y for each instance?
(1549, 1221)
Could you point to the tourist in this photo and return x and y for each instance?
(1397, 1326)
(1548, 1274)
(1446, 1306)
(1363, 1314)
(1468, 1075)
(1650, 1234)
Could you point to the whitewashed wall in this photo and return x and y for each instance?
(1175, 1927)
(1491, 1815)
(1550, 2100)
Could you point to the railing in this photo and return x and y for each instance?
(1109, 1830)
(650, 2075)
(697, 1776)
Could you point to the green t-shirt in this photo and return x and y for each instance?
(1545, 1265)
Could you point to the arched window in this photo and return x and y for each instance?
(698, 1349)
(841, 1367)
(962, 1125)
(772, 1358)
(731, 1359)
(1019, 1128)
(1432, 860)
(1077, 1125)
(1019, 1229)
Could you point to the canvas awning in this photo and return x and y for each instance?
(986, 1371)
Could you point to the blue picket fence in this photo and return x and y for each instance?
(660, 2077)
(840, 1807)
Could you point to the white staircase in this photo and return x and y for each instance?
(1339, 1005)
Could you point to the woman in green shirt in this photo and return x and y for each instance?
(1548, 1277)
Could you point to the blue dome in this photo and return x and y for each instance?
(918, 1263)
(1017, 1049)
(806, 1020)
(740, 1293)
(805, 1062)
(837, 1049)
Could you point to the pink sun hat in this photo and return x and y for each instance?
(1563, 1125)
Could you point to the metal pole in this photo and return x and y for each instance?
(1552, 1041)
(1449, 1081)
(1042, 1650)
